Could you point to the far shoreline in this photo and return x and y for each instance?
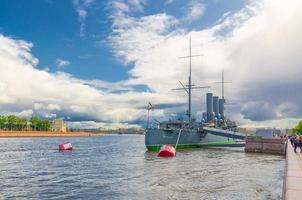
(20, 134)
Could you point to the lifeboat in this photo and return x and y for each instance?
(167, 150)
(65, 146)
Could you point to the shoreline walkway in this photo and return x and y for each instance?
(293, 176)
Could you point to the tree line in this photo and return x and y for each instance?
(14, 123)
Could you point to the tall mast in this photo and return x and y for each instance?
(222, 84)
(190, 84)
(189, 87)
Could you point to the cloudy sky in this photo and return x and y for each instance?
(99, 63)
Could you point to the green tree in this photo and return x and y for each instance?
(21, 124)
(298, 128)
(34, 123)
(39, 124)
(44, 125)
(3, 122)
(12, 122)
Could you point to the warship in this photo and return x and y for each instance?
(191, 133)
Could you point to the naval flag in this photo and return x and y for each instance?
(150, 106)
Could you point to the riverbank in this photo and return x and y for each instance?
(293, 176)
(8, 134)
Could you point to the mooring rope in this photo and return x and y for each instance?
(178, 138)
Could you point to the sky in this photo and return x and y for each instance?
(99, 63)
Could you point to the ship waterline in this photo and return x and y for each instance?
(155, 138)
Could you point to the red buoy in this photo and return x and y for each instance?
(167, 150)
(65, 146)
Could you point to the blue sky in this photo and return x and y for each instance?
(100, 62)
(54, 29)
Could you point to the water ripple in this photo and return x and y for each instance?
(118, 167)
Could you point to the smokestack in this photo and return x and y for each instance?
(215, 106)
(209, 106)
(221, 108)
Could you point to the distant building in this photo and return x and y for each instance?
(268, 132)
(59, 125)
(246, 130)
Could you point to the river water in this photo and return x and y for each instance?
(118, 167)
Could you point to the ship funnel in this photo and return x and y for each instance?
(221, 108)
(209, 107)
(215, 106)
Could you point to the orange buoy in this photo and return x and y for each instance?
(65, 146)
(167, 150)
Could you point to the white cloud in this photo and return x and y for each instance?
(195, 10)
(138, 5)
(61, 63)
(51, 116)
(258, 47)
(136, 36)
(26, 90)
(121, 8)
(24, 113)
(53, 107)
(82, 13)
(81, 7)
(169, 1)
(100, 125)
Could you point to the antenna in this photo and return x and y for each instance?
(188, 88)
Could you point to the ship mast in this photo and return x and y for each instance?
(189, 87)
(222, 84)
(190, 84)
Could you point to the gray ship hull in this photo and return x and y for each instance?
(189, 138)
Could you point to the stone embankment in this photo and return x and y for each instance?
(265, 145)
(293, 175)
